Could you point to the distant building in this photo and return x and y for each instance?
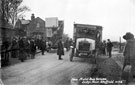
(21, 27)
(36, 28)
(31, 28)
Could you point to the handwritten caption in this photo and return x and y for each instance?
(95, 80)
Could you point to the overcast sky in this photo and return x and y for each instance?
(116, 16)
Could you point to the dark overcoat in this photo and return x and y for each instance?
(60, 50)
(22, 53)
(32, 47)
(129, 54)
(109, 46)
(43, 45)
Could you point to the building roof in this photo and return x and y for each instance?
(40, 19)
(23, 21)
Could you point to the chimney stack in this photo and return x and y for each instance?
(32, 17)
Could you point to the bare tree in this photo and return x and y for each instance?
(12, 10)
(3, 12)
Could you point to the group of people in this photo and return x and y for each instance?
(128, 52)
(106, 48)
(21, 48)
(25, 48)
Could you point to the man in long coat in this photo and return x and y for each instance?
(43, 46)
(22, 53)
(109, 47)
(60, 50)
(104, 47)
(32, 48)
(14, 48)
(129, 53)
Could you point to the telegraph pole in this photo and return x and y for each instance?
(120, 45)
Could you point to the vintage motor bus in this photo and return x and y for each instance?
(86, 40)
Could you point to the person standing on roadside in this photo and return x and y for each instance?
(43, 46)
(129, 54)
(22, 53)
(14, 48)
(109, 48)
(60, 49)
(104, 47)
(32, 48)
(27, 47)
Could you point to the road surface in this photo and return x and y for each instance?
(46, 70)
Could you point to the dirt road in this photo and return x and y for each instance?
(46, 70)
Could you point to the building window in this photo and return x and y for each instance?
(38, 25)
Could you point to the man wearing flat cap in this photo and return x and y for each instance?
(129, 53)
